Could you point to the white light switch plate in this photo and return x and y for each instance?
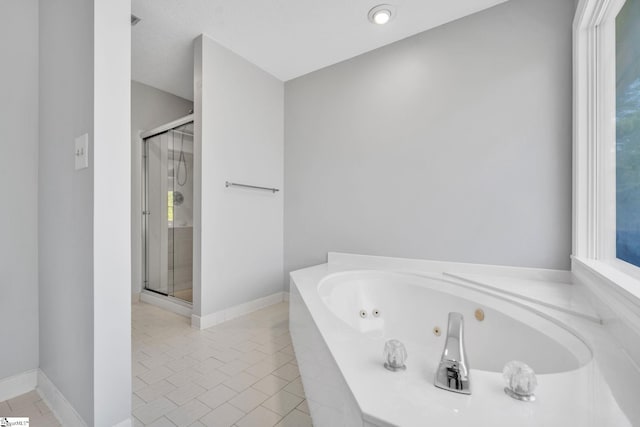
(82, 151)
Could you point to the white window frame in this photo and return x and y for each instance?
(594, 216)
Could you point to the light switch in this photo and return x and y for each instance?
(82, 151)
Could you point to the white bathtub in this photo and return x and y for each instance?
(340, 355)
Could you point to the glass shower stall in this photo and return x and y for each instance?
(167, 213)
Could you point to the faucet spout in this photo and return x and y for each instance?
(453, 371)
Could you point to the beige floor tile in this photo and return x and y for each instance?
(270, 347)
(181, 363)
(248, 399)
(262, 338)
(161, 422)
(43, 420)
(278, 359)
(295, 387)
(253, 356)
(304, 407)
(208, 365)
(154, 391)
(259, 417)
(186, 376)
(282, 402)
(152, 411)
(288, 349)
(154, 362)
(24, 399)
(241, 381)
(211, 380)
(203, 354)
(137, 384)
(234, 367)
(227, 355)
(30, 405)
(245, 346)
(217, 396)
(270, 384)
(156, 348)
(24, 404)
(223, 416)
(288, 372)
(184, 394)
(188, 413)
(261, 369)
(180, 352)
(156, 374)
(284, 339)
(295, 419)
(136, 402)
(221, 376)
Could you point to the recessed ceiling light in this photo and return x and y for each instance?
(381, 14)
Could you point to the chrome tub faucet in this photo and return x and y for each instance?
(453, 372)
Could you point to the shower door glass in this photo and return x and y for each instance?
(180, 211)
(168, 212)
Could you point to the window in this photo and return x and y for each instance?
(628, 133)
(606, 149)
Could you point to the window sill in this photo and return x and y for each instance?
(621, 290)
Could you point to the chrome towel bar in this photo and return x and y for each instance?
(235, 184)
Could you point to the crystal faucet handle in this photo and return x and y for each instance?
(520, 380)
(395, 355)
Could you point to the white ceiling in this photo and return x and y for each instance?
(286, 38)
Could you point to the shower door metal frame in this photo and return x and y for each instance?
(144, 136)
(145, 213)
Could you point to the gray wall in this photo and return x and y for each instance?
(65, 210)
(19, 175)
(238, 137)
(150, 108)
(454, 144)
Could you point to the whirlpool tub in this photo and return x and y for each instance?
(340, 319)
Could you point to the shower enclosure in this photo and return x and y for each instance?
(167, 215)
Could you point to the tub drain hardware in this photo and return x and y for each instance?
(363, 313)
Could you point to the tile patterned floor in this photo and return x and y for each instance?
(242, 373)
(29, 405)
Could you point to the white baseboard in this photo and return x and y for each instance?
(16, 385)
(60, 406)
(209, 320)
(166, 303)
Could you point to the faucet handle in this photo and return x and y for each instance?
(521, 381)
(395, 355)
